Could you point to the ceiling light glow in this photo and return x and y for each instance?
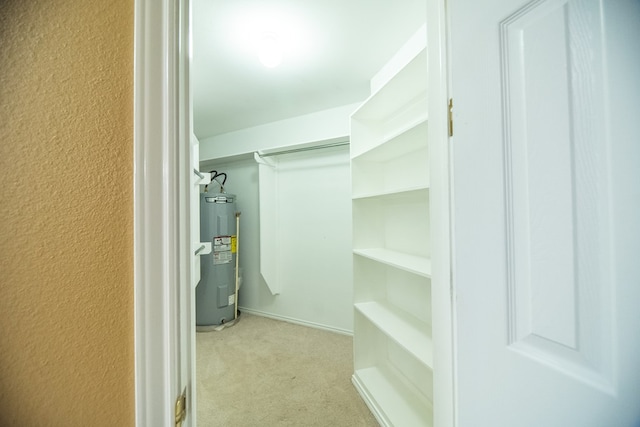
(270, 51)
(271, 34)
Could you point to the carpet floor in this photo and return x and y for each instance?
(264, 372)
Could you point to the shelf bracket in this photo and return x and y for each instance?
(259, 159)
(204, 248)
(202, 178)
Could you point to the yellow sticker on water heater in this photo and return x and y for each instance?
(234, 244)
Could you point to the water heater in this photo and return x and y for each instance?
(216, 291)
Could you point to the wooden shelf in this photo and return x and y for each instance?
(414, 191)
(389, 399)
(399, 91)
(391, 163)
(388, 143)
(411, 263)
(407, 332)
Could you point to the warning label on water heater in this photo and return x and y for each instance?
(222, 250)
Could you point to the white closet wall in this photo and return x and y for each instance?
(314, 221)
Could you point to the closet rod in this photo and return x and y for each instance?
(315, 147)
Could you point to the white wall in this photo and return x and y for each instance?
(315, 238)
(314, 206)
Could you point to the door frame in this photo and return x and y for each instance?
(440, 167)
(161, 231)
(162, 171)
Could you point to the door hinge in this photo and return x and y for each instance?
(181, 408)
(451, 296)
(450, 116)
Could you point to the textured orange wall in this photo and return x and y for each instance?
(66, 213)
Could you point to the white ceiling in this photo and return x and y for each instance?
(336, 46)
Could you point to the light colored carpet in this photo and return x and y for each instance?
(264, 372)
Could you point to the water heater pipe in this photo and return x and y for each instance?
(237, 259)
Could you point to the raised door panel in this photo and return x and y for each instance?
(556, 187)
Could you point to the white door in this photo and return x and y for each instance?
(546, 211)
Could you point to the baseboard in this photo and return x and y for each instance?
(296, 321)
(370, 402)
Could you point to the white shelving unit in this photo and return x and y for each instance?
(393, 348)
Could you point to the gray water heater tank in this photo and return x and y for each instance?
(216, 291)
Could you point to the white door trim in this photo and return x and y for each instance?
(157, 227)
(439, 199)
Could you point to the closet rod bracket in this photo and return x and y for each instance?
(201, 178)
(204, 248)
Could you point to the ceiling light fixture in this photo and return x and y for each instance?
(270, 50)
(274, 35)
